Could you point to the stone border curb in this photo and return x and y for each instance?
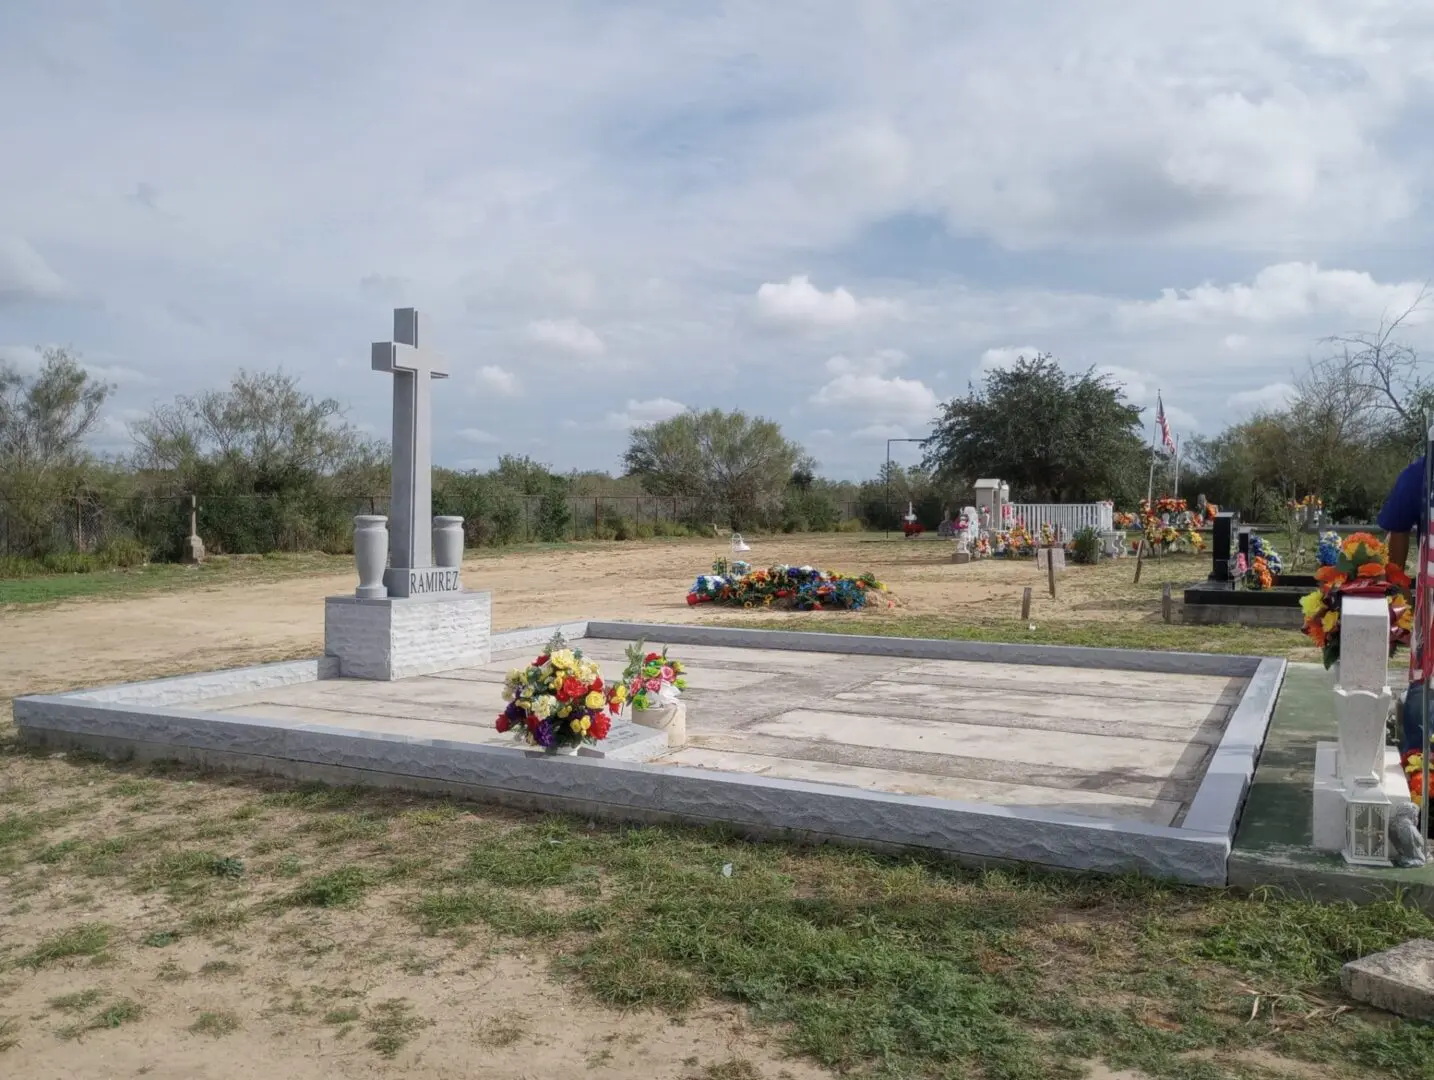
(149, 720)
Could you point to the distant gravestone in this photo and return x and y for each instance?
(1222, 544)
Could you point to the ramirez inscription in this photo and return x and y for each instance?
(428, 582)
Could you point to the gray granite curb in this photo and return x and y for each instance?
(150, 719)
(624, 791)
(1165, 663)
(1220, 798)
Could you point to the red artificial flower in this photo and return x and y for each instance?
(569, 689)
(1396, 575)
(596, 684)
(503, 723)
(650, 657)
(601, 722)
(692, 598)
(532, 721)
(540, 661)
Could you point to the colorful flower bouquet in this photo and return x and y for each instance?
(1328, 552)
(1170, 525)
(653, 680)
(1413, 762)
(1362, 568)
(1014, 542)
(1123, 520)
(559, 701)
(801, 588)
(1264, 566)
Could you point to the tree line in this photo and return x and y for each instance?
(275, 468)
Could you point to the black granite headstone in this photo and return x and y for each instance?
(1244, 544)
(1223, 539)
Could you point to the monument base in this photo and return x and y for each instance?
(193, 550)
(396, 637)
(1329, 801)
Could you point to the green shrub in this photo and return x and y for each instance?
(69, 562)
(1085, 547)
(554, 513)
(122, 552)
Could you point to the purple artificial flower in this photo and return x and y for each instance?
(515, 712)
(544, 734)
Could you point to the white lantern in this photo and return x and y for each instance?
(1366, 833)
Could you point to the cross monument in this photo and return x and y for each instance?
(411, 571)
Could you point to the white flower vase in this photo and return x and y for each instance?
(448, 541)
(568, 750)
(668, 717)
(371, 555)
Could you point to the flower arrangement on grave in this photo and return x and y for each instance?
(1048, 534)
(800, 588)
(1328, 552)
(1170, 525)
(559, 701)
(1123, 519)
(1014, 542)
(1263, 566)
(1361, 569)
(981, 548)
(1413, 763)
(653, 680)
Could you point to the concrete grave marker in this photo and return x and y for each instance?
(412, 366)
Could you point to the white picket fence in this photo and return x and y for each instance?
(1069, 518)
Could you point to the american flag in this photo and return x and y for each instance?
(1163, 424)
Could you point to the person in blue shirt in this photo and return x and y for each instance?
(1401, 518)
(1403, 512)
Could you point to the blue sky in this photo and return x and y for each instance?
(834, 214)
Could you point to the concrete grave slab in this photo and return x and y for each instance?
(1399, 980)
(815, 737)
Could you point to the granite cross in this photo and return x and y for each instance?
(411, 510)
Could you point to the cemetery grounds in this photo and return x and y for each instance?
(170, 923)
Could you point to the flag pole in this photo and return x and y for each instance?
(1154, 437)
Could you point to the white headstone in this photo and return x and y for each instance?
(411, 571)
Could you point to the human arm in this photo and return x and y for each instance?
(1401, 512)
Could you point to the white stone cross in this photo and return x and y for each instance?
(411, 510)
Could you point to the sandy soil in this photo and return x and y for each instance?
(90, 641)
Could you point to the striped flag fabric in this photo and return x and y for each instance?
(1163, 424)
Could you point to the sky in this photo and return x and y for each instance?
(835, 215)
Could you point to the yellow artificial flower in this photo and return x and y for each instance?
(543, 706)
(1310, 603)
(1330, 621)
(577, 727)
(562, 659)
(565, 711)
(594, 700)
(620, 694)
(586, 723)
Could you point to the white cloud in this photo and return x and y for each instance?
(1277, 294)
(477, 435)
(877, 363)
(1235, 342)
(24, 358)
(567, 335)
(1133, 382)
(875, 432)
(797, 304)
(1273, 396)
(642, 413)
(1005, 356)
(872, 397)
(24, 275)
(498, 380)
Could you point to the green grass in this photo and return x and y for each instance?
(1244, 640)
(392, 1025)
(48, 588)
(87, 939)
(215, 1024)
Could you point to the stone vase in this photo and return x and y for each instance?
(1362, 718)
(672, 719)
(371, 555)
(448, 542)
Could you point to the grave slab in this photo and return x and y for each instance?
(1399, 980)
(839, 738)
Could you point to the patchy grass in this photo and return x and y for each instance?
(9, 1033)
(49, 588)
(1246, 640)
(116, 1014)
(87, 939)
(215, 1024)
(870, 965)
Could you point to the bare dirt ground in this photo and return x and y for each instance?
(87, 641)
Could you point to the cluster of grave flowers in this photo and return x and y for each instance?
(1262, 568)
(653, 680)
(1362, 568)
(1170, 525)
(800, 588)
(559, 700)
